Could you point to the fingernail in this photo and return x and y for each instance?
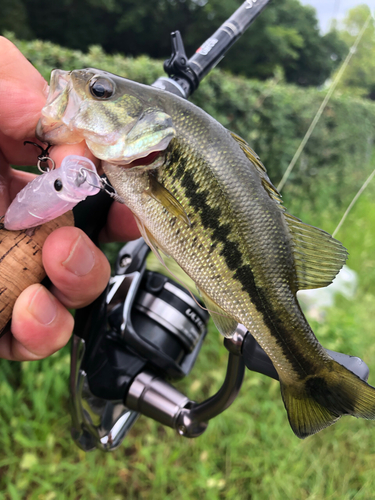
(81, 258)
(43, 306)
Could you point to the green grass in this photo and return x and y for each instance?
(249, 452)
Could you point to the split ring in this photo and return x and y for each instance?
(45, 159)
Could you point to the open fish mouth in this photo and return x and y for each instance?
(146, 160)
(152, 160)
(59, 82)
(61, 105)
(143, 146)
(149, 159)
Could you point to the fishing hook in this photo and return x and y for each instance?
(104, 184)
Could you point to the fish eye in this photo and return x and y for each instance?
(101, 88)
(58, 185)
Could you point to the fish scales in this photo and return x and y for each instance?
(238, 217)
(201, 195)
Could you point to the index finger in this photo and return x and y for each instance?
(23, 93)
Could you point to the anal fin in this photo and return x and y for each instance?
(224, 323)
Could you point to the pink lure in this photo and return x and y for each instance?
(53, 193)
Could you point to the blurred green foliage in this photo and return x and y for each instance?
(359, 78)
(14, 18)
(249, 452)
(286, 34)
(272, 116)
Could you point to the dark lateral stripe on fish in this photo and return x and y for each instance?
(177, 164)
(285, 339)
(210, 220)
(234, 260)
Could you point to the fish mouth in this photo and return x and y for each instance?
(61, 104)
(147, 161)
(138, 143)
(58, 85)
(130, 156)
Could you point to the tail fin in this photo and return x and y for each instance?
(321, 399)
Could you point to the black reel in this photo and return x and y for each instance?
(143, 322)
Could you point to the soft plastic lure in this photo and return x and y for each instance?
(53, 193)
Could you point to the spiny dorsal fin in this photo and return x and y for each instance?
(272, 191)
(250, 153)
(318, 257)
(255, 160)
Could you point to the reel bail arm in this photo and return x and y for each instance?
(153, 397)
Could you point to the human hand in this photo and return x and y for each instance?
(79, 271)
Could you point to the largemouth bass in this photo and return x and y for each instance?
(201, 195)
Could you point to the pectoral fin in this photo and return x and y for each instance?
(159, 193)
(225, 324)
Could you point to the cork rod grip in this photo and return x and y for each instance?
(21, 262)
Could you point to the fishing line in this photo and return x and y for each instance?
(323, 105)
(364, 186)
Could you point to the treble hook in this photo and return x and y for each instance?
(102, 181)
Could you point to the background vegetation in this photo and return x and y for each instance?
(272, 116)
(249, 452)
(285, 35)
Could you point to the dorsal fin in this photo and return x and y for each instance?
(272, 191)
(318, 257)
(255, 160)
(250, 153)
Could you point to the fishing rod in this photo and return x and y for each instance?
(145, 328)
(185, 74)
